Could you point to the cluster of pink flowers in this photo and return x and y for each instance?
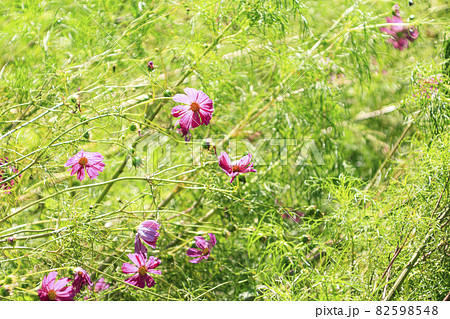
(400, 35)
(141, 268)
(6, 171)
(427, 87)
(59, 290)
(196, 109)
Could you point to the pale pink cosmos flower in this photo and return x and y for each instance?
(81, 279)
(82, 162)
(205, 248)
(197, 109)
(141, 269)
(53, 290)
(148, 232)
(101, 285)
(235, 168)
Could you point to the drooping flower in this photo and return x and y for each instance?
(205, 248)
(82, 162)
(53, 290)
(101, 285)
(81, 279)
(235, 168)
(6, 171)
(196, 110)
(400, 35)
(148, 232)
(141, 269)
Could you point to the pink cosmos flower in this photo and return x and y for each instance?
(101, 285)
(197, 109)
(81, 279)
(55, 290)
(83, 161)
(400, 35)
(6, 170)
(140, 269)
(205, 248)
(148, 232)
(235, 168)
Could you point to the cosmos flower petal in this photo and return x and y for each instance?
(197, 260)
(181, 98)
(192, 252)
(212, 240)
(152, 263)
(200, 242)
(180, 110)
(195, 122)
(65, 294)
(192, 94)
(134, 259)
(129, 268)
(139, 248)
(245, 161)
(224, 162)
(61, 283)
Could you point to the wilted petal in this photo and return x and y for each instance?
(139, 247)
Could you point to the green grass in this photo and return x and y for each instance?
(292, 82)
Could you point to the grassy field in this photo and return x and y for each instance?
(349, 136)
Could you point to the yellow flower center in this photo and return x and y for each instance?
(205, 251)
(235, 168)
(83, 161)
(142, 270)
(195, 107)
(51, 295)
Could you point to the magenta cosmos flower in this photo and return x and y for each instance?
(82, 162)
(235, 168)
(148, 232)
(140, 269)
(81, 279)
(400, 35)
(205, 248)
(53, 290)
(197, 109)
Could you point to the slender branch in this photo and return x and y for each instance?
(409, 266)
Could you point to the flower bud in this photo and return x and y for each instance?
(207, 143)
(136, 161)
(133, 127)
(11, 241)
(150, 66)
(396, 10)
(167, 93)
